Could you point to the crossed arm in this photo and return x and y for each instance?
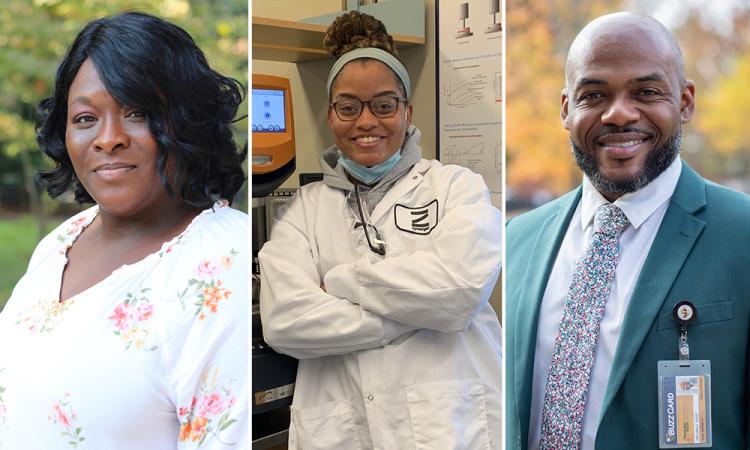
(366, 305)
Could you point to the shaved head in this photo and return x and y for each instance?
(624, 102)
(624, 29)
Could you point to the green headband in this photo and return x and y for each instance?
(371, 53)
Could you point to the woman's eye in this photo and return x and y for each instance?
(137, 114)
(347, 107)
(84, 118)
(384, 107)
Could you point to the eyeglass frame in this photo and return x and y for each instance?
(399, 100)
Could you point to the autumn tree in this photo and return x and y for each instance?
(539, 33)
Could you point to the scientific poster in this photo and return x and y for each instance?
(469, 83)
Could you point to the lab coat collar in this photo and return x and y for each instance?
(405, 184)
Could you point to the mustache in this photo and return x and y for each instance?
(613, 129)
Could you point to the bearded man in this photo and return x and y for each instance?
(594, 278)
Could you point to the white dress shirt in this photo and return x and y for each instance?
(644, 209)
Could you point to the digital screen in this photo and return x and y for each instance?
(268, 111)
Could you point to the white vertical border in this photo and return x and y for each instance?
(504, 184)
(249, 93)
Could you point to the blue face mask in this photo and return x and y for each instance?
(369, 175)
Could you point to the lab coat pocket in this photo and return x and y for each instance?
(329, 426)
(449, 415)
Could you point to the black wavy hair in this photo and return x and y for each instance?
(154, 66)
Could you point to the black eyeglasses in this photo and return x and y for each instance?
(349, 109)
(377, 244)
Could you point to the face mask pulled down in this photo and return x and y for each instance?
(369, 175)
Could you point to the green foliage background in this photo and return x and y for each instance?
(34, 35)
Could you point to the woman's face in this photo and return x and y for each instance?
(368, 140)
(111, 148)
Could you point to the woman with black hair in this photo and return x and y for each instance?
(129, 328)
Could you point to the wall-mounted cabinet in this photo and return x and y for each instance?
(297, 41)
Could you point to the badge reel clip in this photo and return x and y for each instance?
(684, 313)
(684, 391)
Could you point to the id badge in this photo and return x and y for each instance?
(684, 404)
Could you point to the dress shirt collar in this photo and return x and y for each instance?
(637, 206)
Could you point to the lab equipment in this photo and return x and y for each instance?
(273, 133)
(273, 161)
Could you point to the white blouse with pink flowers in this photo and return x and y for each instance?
(152, 357)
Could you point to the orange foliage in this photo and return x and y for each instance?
(539, 32)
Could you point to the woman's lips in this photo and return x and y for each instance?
(113, 172)
(367, 141)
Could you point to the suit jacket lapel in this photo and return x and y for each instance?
(534, 282)
(678, 232)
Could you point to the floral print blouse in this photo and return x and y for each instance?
(152, 357)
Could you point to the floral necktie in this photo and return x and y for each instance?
(575, 343)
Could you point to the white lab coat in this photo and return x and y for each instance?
(402, 351)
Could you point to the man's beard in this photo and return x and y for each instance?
(656, 162)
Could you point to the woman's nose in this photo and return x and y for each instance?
(111, 135)
(367, 119)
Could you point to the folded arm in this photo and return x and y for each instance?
(444, 285)
(301, 319)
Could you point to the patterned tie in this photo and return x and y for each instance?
(575, 343)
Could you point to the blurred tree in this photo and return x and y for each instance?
(717, 58)
(540, 31)
(34, 36)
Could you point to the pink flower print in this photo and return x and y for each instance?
(131, 319)
(74, 228)
(171, 245)
(43, 316)
(183, 411)
(143, 312)
(207, 270)
(75, 225)
(63, 415)
(211, 405)
(206, 290)
(60, 415)
(121, 316)
(227, 261)
(213, 412)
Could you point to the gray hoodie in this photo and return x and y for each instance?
(335, 176)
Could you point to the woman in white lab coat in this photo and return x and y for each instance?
(378, 277)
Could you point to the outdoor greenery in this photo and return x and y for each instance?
(34, 35)
(15, 251)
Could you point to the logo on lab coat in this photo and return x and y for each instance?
(417, 220)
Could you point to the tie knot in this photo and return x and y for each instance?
(610, 220)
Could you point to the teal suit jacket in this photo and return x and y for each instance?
(701, 253)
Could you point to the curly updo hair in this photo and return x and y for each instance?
(357, 30)
(151, 65)
(354, 30)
